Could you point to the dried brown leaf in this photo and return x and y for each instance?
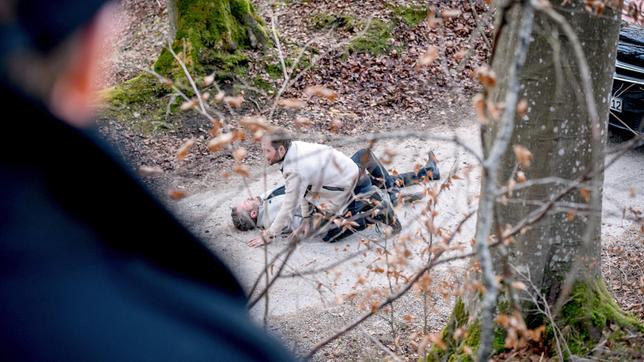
(503, 320)
(220, 141)
(335, 125)
(437, 341)
(254, 123)
(291, 103)
(522, 108)
(188, 105)
(486, 76)
(238, 135)
(234, 102)
(432, 20)
(322, 92)
(585, 194)
(301, 122)
(185, 149)
(240, 154)
(147, 171)
(523, 155)
(215, 130)
(451, 13)
(428, 57)
(177, 194)
(207, 80)
(242, 170)
(480, 108)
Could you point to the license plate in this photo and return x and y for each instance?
(616, 104)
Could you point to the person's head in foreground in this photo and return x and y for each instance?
(51, 51)
(93, 267)
(245, 213)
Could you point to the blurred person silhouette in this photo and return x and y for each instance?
(92, 267)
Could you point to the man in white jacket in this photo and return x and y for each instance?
(314, 174)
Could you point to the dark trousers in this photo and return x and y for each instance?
(357, 210)
(384, 180)
(381, 178)
(374, 173)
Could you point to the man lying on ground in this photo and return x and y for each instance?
(261, 211)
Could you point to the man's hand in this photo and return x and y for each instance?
(259, 241)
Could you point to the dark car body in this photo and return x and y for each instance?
(627, 101)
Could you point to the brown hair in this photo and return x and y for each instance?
(242, 220)
(280, 137)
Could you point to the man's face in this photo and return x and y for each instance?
(249, 206)
(271, 154)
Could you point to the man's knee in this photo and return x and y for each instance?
(361, 157)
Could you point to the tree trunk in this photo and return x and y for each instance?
(557, 129)
(208, 35)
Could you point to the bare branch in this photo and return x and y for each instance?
(490, 167)
(192, 83)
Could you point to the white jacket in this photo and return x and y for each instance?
(270, 206)
(315, 174)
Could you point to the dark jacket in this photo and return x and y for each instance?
(92, 267)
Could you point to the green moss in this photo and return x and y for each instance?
(326, 21)
(227, 66)
(273, 67)
(210, 35)
(140, 103)
(302, 63)
(410, 15)
(262, 84)
(136, 90)
(240, 8)
(455, 350)
(473, 335)
(588, 313)
(375, 41)
(274, 70)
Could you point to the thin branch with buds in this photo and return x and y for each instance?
(490, 167)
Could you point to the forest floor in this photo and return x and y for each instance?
(378, 91)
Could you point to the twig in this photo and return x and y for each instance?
(192, 83)
(254, 301)
(490, 167)
(278, 45)
(381, 346)
(391, 298)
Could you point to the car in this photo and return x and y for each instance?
(627, 98)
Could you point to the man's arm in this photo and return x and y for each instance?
(294, 193)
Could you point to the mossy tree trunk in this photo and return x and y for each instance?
(557, 129)
(209, 34)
